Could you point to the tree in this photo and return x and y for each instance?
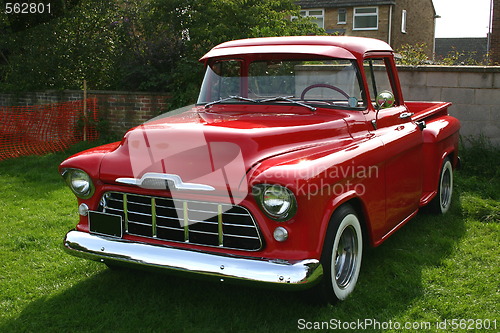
(206, 23)
(149, 45)
(61, 53)
(22, 15)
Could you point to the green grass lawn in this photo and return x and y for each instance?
(435, 269)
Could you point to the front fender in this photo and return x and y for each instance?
(89, 160)
(324, 180)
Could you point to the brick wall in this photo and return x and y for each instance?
(495, 34)
(419, 24)
(121, 110)
(124, 110)
(39, 97)
(331, 15)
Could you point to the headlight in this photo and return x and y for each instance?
(276, 201)
(79, 182)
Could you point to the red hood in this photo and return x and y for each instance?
(213, 147)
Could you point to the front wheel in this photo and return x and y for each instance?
(442, 202)
(342, 253)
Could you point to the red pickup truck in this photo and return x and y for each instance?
(299, 152)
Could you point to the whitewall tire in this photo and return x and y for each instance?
(341, 257)
(442, 202)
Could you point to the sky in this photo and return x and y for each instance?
(462, 18)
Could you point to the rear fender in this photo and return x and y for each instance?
(440, 140)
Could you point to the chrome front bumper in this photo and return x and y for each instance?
(295, 275)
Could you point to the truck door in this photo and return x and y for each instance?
(401, 150)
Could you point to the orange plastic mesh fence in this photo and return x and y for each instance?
(40, 129)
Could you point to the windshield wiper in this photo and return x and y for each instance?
(273, 99)
(240, 98)
(287, 99)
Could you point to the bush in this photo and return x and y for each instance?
(412, 55)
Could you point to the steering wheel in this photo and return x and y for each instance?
(323, 85)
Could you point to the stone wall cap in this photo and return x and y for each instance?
(440, 68)
(120, 92)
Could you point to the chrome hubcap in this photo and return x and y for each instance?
(345, 259)
(446, 189)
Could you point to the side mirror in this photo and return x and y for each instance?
(385, 100)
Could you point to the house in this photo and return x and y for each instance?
(397, 22)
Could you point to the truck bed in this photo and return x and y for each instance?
(426, 110)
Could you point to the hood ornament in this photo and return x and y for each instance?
(163, 181)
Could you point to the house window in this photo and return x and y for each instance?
(365, 18)
(342, 16)
(403, 22)
(317, 16)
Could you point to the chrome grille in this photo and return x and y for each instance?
(195, 222)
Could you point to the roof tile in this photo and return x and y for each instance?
(342, 3)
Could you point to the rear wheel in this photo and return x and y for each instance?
(341, 258)
(442, 202)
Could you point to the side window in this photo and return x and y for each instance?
(378, 78)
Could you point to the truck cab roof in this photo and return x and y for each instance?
(346, 47)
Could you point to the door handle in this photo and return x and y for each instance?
(421, 124)
(405, 115)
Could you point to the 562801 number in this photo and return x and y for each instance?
(27, 8)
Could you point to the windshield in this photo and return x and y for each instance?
(324, 82)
